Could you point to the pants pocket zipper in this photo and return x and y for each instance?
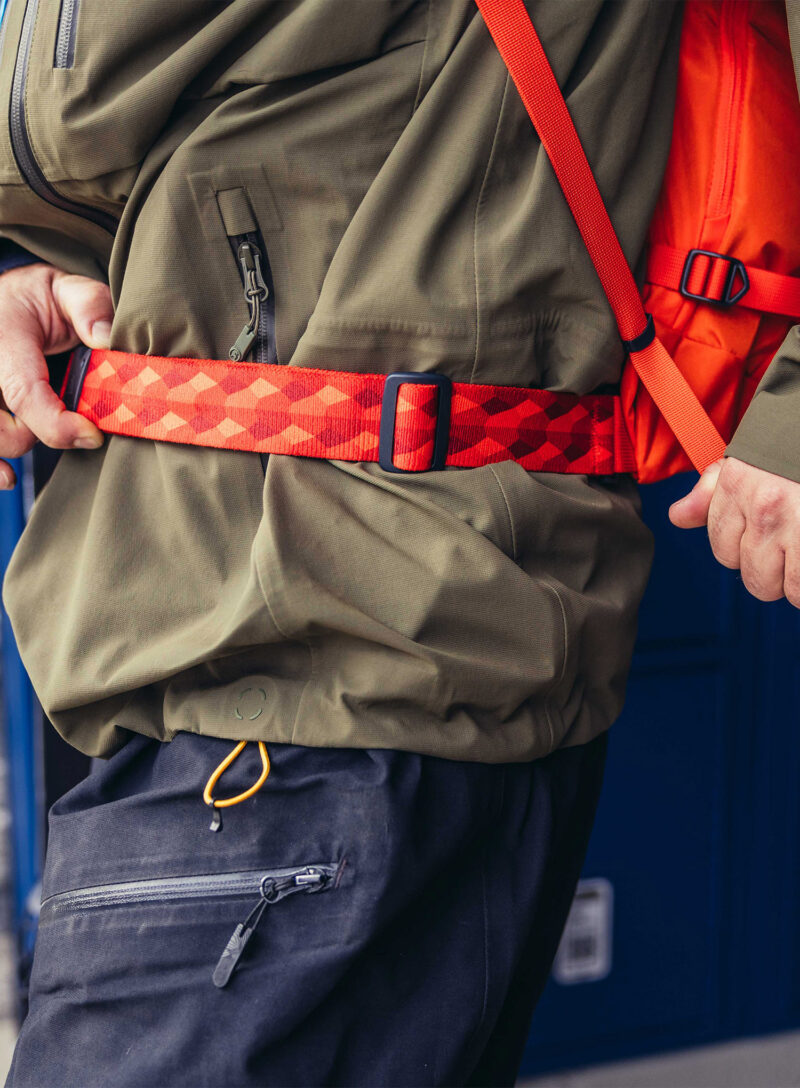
(270, 885)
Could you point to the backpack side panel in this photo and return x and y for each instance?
(732, 186)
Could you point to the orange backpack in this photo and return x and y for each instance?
(724, 244)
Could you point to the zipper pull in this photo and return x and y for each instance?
(250, 260)
(244, 341)
(236, 945)
(256, 292)
(273, 889)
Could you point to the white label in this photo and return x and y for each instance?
(584, 954)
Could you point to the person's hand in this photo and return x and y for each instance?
(753, 519)
(44, 310)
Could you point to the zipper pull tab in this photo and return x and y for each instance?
(273, 889)
(216, 820)
(229, 959)
(244, 341)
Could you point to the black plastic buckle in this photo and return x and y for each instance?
(389, 414)
(76, 375)
(736, 269)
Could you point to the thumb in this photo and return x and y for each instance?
(86, 305)
(691, 512)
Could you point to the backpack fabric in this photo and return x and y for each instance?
(723, 250)
(732, 186)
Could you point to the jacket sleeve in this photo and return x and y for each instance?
(768, 435)
(14, 256)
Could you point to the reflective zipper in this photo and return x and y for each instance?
(20, 140)
(65, 39)
(256, 276)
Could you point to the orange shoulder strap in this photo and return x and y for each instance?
(519, 45)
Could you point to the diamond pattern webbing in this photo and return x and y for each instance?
(336, 414)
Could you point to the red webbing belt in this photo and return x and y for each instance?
(335, 414)
(519, 45)
(716, 278)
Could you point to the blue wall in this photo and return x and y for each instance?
(18, 713)
(699, 823)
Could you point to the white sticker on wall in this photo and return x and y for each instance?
(584, 954)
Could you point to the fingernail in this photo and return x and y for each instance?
(87, 443)
(6, 480)
(101, 332)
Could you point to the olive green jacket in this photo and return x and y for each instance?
(379, 153)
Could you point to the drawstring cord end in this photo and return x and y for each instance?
(227, 802)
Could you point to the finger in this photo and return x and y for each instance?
(86, 306)
(762, 563)
(691, 512)
(24, 380)
(15, 438)
(726, 526)
(7, 477)
(25, 385)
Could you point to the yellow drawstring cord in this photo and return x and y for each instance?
(226, 802)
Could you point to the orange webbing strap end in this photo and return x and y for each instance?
(519, 45)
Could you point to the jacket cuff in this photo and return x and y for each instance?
(14, 256)
(768, 435)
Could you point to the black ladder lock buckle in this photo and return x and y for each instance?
(729, 297)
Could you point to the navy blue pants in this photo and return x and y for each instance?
(401, 912)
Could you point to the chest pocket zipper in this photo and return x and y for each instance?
(258, 296)
(252, 265)
(271, 886)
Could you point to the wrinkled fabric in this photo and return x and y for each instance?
(411, 222)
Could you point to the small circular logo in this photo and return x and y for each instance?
(251, 704)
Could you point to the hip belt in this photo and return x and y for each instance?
(407, 422)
